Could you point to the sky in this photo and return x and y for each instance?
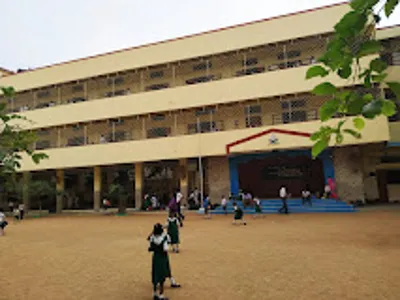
(37, 33)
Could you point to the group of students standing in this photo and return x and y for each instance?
(17, 210)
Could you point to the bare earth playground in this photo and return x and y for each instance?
(300, 256)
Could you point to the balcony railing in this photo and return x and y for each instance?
(267, 58)
(257, 113)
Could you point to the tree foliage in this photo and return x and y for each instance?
(353, 39)
(13, 140)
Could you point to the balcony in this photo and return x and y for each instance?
(192, 145)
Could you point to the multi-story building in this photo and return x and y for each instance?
(236, 97)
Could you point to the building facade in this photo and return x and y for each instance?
(236, 97)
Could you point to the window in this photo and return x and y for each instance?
(43, 131)
(77, 88)
(158, 132)
(289, 54)
(202, 66)
(44, 144)
(118, 136)
(116, 122)
(253, 109)
(43, 94)
(156, 74)
(158, 117)
(76, 141)
(250, 61)
(253, 121)
(115, 80)
(77, 127)
(251, 71)
(155, 87)
(200, 79)
(253, 115)
(205, 111)
(203, 126)
(293, 111)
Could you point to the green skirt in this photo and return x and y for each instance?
(258, 209)
(160, 268)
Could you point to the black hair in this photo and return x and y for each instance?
(234, 203)
(158, 229)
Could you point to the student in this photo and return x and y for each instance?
(173, 231)
(16, 214)
(223, 204)
(258, 210)
(206, 205)
(179, 200)
(283, 195)
(21, 209)
(327, 191)
(3, 222)
(306, 196)
(238, 215)
(154, 202)
(160, 262)
(10, 206)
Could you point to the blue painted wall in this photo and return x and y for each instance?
(235, 161)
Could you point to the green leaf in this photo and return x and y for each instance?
(368, 48)
(395, 87)
(379, 78)
(363, 4)
(378, 65)
(340, 125)
(352, 132)
(319, 146)
(328, 109)
(390, 6)
(2, 106)
(8, 91)
(315, 136)
(37, 157)
(345, 72)
(325, 88)
(316, 71)
(359, 123)
(367, 81)
(388, 108)
(352, 23)
(339, 138)
(356, 104)
(372, 109)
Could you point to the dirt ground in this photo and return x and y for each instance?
(324, 256)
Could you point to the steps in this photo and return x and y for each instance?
(295, 206)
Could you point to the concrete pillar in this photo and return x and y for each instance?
(218, 177)
(60, 190)
(97, 188)
(184, 178)
(25, 191)
(138, 185)
(349, 173)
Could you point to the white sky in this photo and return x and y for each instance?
(42, 32)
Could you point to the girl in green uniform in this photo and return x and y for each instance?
(238, 215)
(173, 231)
(160, 263)
(258, 211)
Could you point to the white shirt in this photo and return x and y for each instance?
(306, 193)
(223, 201)
(256, 200)
(21, 206)
(16, 212)
(327, 189)
(282, 192)
(179, 197)
(2, 217)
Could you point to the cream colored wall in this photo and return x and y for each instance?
(208, 144)
(212, 93)
(394, 132)
(250, 35)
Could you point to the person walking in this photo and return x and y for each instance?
(283, 194)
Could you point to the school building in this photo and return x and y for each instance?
(235, 97)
